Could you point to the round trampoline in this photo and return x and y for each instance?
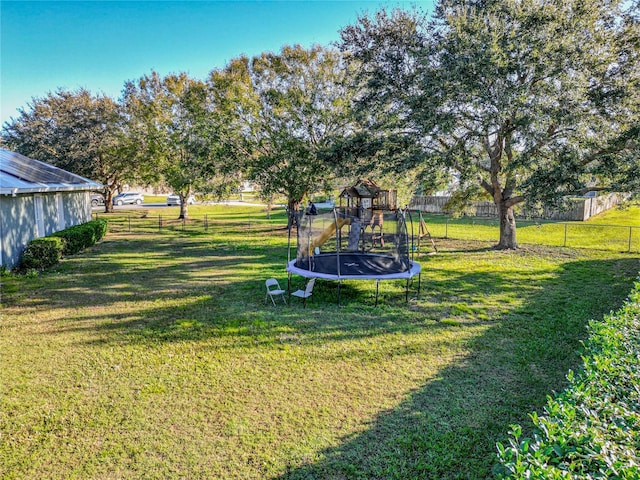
(353, 266)
(348, 244)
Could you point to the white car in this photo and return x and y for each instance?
(128, 198)
(96, 199)
(174, 199)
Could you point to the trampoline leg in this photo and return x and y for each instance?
(419, 277)
(377, 286)
(406, 292)
(338, 302)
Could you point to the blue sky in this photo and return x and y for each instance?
(98, 45)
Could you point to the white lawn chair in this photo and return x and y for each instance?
(306, 293)
(273, 290)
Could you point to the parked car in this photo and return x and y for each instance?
(96, 199)
(174, 199)
(128, 198)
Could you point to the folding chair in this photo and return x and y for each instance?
(306, 293)
(273, 290)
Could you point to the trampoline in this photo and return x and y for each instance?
(361, 245)
(353, 266)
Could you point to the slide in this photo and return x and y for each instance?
(328, 232)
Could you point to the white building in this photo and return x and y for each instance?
(36, 200)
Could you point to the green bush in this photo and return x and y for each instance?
(42, 253)
(592, 429)
(100, 228)
(79, 237)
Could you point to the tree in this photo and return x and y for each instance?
(530, 99)
(186, 136)
(79, 132)
(296, 106)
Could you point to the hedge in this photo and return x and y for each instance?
(592, 429)
(44, 252)
(79, 237)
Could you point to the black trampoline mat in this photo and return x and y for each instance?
(357, 264)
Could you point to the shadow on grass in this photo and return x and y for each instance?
(163, 267)
(448, 427)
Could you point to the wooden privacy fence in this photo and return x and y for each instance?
(579, 209)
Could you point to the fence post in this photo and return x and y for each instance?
(565, 234)
(630, 234)
(446, 227)
(159, 223)
(129, 218)
(206, 222)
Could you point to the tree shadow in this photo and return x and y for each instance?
(445, 429)
(450, 426)
(147, 269)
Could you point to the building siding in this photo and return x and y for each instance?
(23, 218)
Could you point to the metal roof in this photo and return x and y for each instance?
(20, 174)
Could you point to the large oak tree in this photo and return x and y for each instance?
(186, 139)
(89, 135)
(296, 104)
(531, 100)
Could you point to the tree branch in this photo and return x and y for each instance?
(510, 202)
(487, 186)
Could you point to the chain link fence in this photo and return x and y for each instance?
(557, 234)
(142, 222)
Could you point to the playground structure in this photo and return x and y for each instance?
(364, 238)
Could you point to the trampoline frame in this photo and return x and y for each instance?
(412, 268)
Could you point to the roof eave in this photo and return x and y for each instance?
(50, 189)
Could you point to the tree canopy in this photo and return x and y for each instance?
(186, 135)
(80, 132)
(298, 104)
(525, 100)
(529, 99)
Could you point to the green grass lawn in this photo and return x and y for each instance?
(616, 229)
(155, 199)
(154, 355)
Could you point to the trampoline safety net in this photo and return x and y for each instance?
(348, 242)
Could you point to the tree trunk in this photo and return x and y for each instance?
(293, 211)
(507, 227)
(184, 214)
(108, 201)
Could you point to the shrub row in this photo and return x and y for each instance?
(592, 429)
(79, 237)
(44, 252)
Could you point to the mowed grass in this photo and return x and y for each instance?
(617, 229)
(154, 355)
